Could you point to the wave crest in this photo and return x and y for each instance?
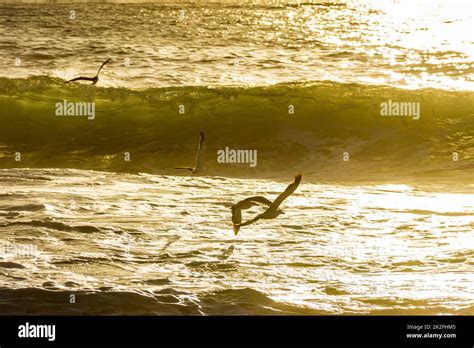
(328, 119)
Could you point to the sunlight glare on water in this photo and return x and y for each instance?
(402, 43)
(361, 249)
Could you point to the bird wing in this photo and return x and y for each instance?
(248, 222)
(82, 79)
(200, 152)
(288, 191)
(245, 204)
(251, 201)
(108, 60)
(236, 218)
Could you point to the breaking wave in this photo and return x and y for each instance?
(159, 127)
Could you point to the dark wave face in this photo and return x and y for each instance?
(309, 127)
(167, 301)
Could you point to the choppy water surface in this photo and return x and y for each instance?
(163, 244)
(150, 244)
(403, 43)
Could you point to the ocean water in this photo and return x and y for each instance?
(148, 244)
(330, 121)
(406, 43)
(382, 223)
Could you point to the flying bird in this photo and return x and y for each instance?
(93, 79)
(247, 203)
(199, 167)
(272, 210)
